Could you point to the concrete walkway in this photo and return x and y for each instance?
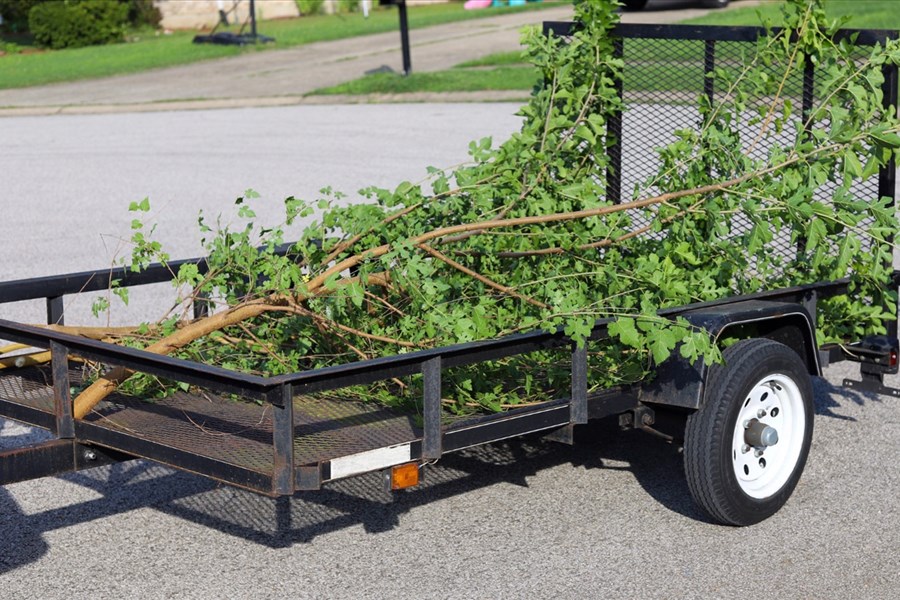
(281, 77)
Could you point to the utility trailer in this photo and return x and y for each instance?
(748, 422)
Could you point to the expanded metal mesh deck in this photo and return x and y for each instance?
(231, 431)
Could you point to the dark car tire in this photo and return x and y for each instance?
(714, 3)
(736, 473)
(634, 4)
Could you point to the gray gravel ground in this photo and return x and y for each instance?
(609, 517)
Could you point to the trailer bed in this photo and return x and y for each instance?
(231, 440)
(205, 432)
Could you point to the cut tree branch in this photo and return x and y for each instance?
(252, 308)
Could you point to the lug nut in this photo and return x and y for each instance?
(745, 448)
(760, 413)
(747, 424)
(758, 452)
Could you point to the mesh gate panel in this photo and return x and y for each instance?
(666, 71)
(664, 76)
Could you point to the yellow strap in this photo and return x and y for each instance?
(13, 348)
(25, 360)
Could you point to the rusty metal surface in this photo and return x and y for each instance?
(229, 430)
(52, 457)
(36, 460)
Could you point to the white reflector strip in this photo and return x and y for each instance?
(370, 461)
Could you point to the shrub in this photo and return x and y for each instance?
(318, 7)
(142, 12)
(15, 13)
(10, 48)
(310, 7)
(67, 24)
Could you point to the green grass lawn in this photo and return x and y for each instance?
(502, 71)
(154, 51)
(494, 60)
(451, 80)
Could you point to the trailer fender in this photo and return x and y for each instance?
(679, 383)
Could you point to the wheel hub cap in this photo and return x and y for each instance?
(759, 434)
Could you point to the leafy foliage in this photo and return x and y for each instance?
(69, 24)
(15, 13)
(523, 238)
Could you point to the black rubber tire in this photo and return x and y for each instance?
(709, 431)
(713, 3)
(634, 4)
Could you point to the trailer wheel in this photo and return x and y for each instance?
(714, 3)
(745, 448)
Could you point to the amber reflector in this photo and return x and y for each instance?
(404, 476)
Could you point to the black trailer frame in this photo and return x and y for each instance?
(375, 439)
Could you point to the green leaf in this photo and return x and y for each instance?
(873, 166)
(625, 331)
(142, 206)
(661, 346)
(887, 138)
(815, 233)
(99, 305)
(122, 293)
(356, 293)
(852, 167)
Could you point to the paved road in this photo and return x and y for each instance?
(283, 76)
(607, 518)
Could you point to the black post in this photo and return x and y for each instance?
(404, 37)
(62, 395)
(709, 65)
(432, 444)
(55, 310)
(578, 413)
(887, 177)
(614, 132)
(809, 86)
(253, 19)
(709, 89)
(283, 477)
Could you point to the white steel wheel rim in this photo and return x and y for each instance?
(774, 401)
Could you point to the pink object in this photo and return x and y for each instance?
(473, 4)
